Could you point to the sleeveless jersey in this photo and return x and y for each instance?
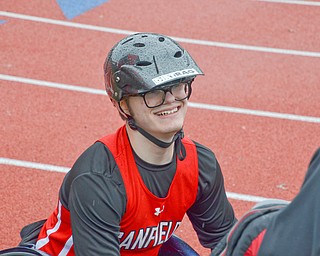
(148, 221)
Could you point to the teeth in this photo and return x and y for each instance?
(164, 113)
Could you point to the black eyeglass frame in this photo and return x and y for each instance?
(165, 90)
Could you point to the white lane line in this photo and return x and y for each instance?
(253, 112)
(248, 198)
(179, 39)
(65, 23)
(61, 169)
(244, 111)
(42, 83)
(307, 3)
(33, 165)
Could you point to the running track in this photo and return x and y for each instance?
(257, 107)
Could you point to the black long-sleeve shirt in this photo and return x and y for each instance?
(96, 175)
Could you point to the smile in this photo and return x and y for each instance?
(167, 112)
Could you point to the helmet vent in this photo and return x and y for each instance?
(143, 63)
(139, 45)
(178, 54)
(155, 64)
(130, 39)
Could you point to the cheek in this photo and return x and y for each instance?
(184, 107)
(137, 108)
(134, 105)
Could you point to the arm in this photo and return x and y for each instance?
(212, 215)
(96, 200)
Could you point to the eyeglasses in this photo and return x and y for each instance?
(155, 98)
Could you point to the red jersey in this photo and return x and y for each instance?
(148, 221)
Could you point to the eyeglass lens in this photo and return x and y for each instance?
(156, 98)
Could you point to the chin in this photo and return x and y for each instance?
(172, 129)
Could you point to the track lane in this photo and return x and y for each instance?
(244, 22)
(32, 124)
(33, 116)
(263, 81)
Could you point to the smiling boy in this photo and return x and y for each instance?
(129, 191)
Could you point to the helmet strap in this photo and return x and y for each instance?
(178, 147)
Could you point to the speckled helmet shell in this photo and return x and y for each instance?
(143, 61)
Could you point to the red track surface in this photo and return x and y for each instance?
(260, 156)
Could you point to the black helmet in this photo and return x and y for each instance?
(143, 61)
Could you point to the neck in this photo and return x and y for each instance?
(147, 150)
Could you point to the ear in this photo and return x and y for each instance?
(124, 107)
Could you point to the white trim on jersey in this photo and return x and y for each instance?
(66, 247)
(42, 242)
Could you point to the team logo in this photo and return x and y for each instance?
(158, 210)
(148, 237)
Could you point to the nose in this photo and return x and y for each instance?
(169, 97)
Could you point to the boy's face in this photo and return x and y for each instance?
(162, 121)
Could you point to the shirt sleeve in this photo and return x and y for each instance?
(211, 215)
(97, 201)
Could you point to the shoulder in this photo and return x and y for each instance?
(96, 159)
(95, 165)
(207, 161)
(210, 175)
(206, 157)
(203, 152)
